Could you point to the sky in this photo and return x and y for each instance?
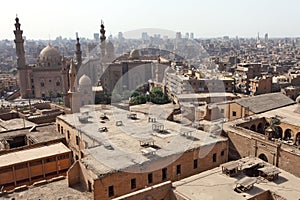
(205, 18)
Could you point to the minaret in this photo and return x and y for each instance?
(65, 82)
(78, 54)
(72, 77)
(21, 62)
(73, 94)
(102, 39)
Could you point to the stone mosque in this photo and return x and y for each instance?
(55, 76)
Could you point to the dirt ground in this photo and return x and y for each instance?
(57, 190)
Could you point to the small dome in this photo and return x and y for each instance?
(269, 130)
(134, 54)
(85, 80)
(49, 52)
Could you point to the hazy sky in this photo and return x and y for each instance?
(206, 18)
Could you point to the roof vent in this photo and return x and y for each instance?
(103, 129)
(132, 116)
(84, 117)
(119, 123)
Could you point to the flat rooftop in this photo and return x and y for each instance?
(205, 95)
(288, 114)
(122, 146)
(42, 133)
(32, 154)
(213, 184)
(14, 124)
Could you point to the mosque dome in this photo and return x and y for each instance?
(49, 52)
(134, 54)
(49, 57)
(85, 81)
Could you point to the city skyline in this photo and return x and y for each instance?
(204, 18)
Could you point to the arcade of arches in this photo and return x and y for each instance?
(283, 132)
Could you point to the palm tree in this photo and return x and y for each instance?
(273, 128)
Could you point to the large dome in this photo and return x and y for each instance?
(49, 57)
(49, 52)
(85, 80)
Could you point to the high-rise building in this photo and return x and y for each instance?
(266, 38)
(178, 35)
(145, 36)
(191, 35)
(96, 37)
(187, 35)
(120, 36)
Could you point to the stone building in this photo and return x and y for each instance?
(131, 70)
(191, 81)
(273, 135)
(245, 107)
(129, 151)
(47, 78)
(262, 85)
(214, 184)
(31, 165)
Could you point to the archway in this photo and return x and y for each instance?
(253, 127)
(297, 142)
(288, 134)
(260, 128)
(263, 157)
(278, 132)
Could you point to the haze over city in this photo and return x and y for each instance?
(206, 19)
(203, 103)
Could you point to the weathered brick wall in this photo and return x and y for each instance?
(121, 180)
(290, 162)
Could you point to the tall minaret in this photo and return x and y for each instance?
(78, 54)
(21, 62)
(72, 93)
(102, 39)
(65, 82)
(72, 77)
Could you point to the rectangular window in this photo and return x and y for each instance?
(77, 140)
(195, 163)
(222, 153)
(178, 169)
(62, 130)
(222, 110)
(233, 113)
(214, 157)
(68, 133)
(50, 160)
(164, 174)
(133, 183)
(111, 191)
(150, 178)
(21, 166)
(35, 163)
